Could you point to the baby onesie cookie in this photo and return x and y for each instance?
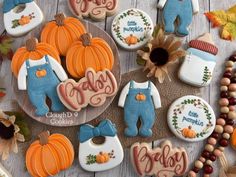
(66, 29)
(132, 29)
(96, 9)
(139, 101)
(161, 161)
(96, 49)
(21, 16)
(183, 10)
(49, 155)
(191, 118)
(93, 89)
(93, 157)
(200, 61)
(40, 78)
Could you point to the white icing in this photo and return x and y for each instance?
(192, 114)
(10, 16)
(88, 147)
(132, 24)
(57, 68)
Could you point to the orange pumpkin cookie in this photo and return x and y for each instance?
(191, 118)
(34, 51)
(62, 32)
(88, 52)
(233, 139)
(49, 155)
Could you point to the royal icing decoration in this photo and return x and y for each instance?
(183, 10)
(161, 161)
(92, 90)
(96, 9)
(191, 118)
(139, 101)
(198, 66)
(21, 16)
(100, 157)
(132, 29)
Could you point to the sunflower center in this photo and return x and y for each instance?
(6, 132)
(159, 56)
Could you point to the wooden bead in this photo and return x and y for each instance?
(208, 169)
(233, 79)
(232, 94)
(228, 69)
(198, 164)
(224, 109)
(206, 154)
(215, 135)
(232, 58)
(228, 129)
(212, 141)
(213, 158)
(232, 101)
(206, 175)
(232, 87)
(224, 102)
(225, 81)
(232, 115)
(223, 142)
(227, 74)
(209, 162)
(230, 122)
(231, 108)
(224, 94)
(217, 152)
(223, 88)
(202, 159)
(209, 148)
(226, 136)
(192, 174)
(220, 121)
(219, 129)
(229, 64)
(224, 116)
(221, 148)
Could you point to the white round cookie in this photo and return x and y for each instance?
(191, 118)
(132, 29)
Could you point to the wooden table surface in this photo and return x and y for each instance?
(16, 163)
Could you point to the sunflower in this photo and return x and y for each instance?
(161, 52)
(9, 135)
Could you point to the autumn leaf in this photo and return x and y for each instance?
(226, 20)
(6, 47)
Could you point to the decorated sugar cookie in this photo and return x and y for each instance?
(21, 16)
(183, 10)
(139, 101)
(132, 29)
(93, 89)
(96, 9)
(49, 155)
(198, 66)
(66, 29)
(40, 78)
(191, 118)
(161, 161)
(93, 157)
(96, 49)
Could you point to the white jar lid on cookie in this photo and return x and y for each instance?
(191, 118)
(132, 29)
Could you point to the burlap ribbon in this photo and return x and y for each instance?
(225, 170)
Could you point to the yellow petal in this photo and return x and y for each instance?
(20, 137)
(175, 46)
(160, 75)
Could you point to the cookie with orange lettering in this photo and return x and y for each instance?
(93, 89)
(161, 161)
(96, 9)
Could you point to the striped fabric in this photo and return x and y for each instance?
(204, 46)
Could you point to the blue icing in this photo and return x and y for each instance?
(202, 54)
(10, 4)
(105, 128)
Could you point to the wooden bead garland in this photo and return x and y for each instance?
(220, 138)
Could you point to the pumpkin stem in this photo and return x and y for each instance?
(190, 127)
(86, 39)
(60, 19)
(43, 137)
(31, 44)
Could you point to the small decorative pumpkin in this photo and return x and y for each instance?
(140, 97)
(49, 155)
(233, 139)
(34, 51)
(41, 73)
(88, 52)
(188, 132)
(62, 32)
(131, 40)
(102, 157)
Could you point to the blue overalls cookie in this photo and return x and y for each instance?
(40, 78)
(182, 10)
(139, 101)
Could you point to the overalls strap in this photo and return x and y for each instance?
(149, 84)
(27, 63)
(46, 59)
(131, 84)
